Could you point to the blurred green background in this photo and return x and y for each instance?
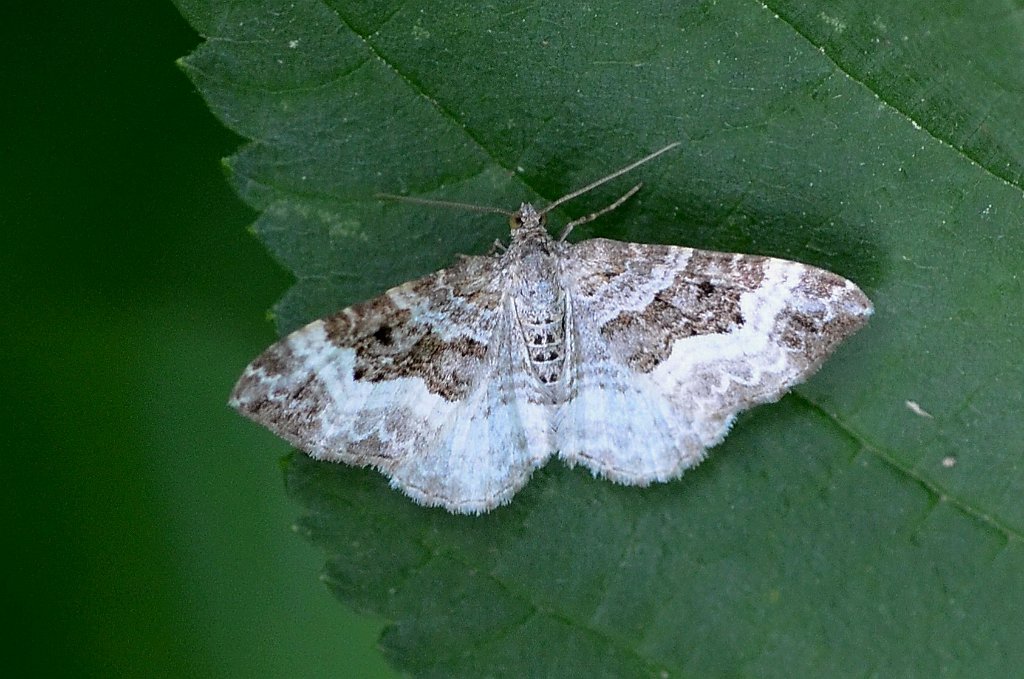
(148, 532)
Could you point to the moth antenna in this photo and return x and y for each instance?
(607, 178)
(443, 203)
(567, 229)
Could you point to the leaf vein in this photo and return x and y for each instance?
(655, 668)
(415, 87)
(998, 173)
(971, 510)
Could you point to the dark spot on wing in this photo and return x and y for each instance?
(383, 335)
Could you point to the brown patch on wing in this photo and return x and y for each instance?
(391, 343)
(685, 308)
(274, 391)
(813, 332)
(296, 417)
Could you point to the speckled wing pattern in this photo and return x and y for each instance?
(628, 359)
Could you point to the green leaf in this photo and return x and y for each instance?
(870, 522)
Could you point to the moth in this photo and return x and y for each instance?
(629, 359)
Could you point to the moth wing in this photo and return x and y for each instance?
(414, 383)
(671, 343)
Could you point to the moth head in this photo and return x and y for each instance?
(526, 217)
